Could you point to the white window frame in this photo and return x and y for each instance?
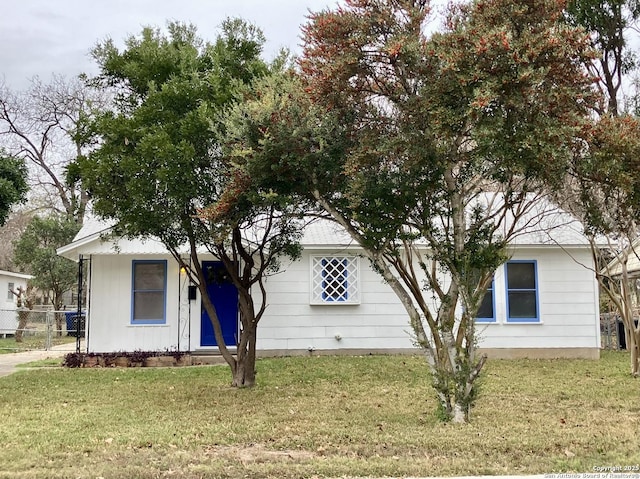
(10, 288)
(318, 289)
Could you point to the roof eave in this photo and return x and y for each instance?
(15, 275)
(70, 251)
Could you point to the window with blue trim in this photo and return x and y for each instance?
(487, 311)
(334, 280)
(149, 292)
(522, 291)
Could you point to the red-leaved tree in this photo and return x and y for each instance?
(427, 148)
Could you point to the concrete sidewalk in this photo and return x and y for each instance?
(8, 362)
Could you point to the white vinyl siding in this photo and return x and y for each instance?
(567, 309)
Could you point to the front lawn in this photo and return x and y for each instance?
(316, 417)
(30, 342)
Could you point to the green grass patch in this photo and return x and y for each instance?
(42, 363)
(37, 341)
(316, 417)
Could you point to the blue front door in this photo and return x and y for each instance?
(224, 296)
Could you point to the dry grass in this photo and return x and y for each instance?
(316, 417)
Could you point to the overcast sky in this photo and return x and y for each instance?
(40, 37)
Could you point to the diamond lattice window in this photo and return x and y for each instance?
(335, 280)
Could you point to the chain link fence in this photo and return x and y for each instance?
(612, 332)
(24, 329)
(609, 334)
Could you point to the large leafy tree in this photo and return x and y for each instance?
(609, 23)
(428, 150)
(35, 252)
(603, 189)
(609, 187)
(13, 183)
(160, 170)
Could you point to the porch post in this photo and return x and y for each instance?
(79, 311)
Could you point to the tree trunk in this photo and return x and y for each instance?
(460, 413)
(454, 379)
(633, 344)
(58, 306)
(59, 323)
(456, 393)
(23, 317)
(242, 364)
(626, 312)
(244, 372)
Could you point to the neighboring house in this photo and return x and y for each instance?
(626, 262)
(9, 284)
(629, 257)
(542, 303)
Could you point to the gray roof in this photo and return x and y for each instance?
(544, 224)
(15, 275)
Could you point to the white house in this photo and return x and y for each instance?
(9, 283)
(542, 303)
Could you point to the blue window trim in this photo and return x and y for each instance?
(162, 320)
(344, 280)
(535, 319)
(491, 288)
